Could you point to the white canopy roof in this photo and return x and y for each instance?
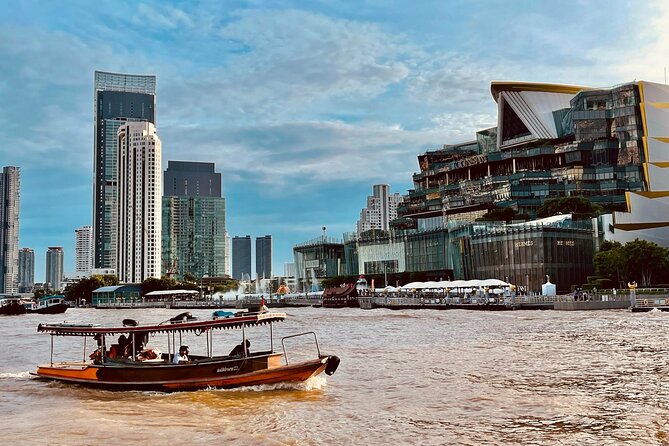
(474, 283)
(170, 292)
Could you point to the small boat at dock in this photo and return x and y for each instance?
(130, 364)
(11, 306)
(46, 305)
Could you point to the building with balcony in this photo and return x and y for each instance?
(138, 204)
(381, 209)
(9, 229)
(609, 145)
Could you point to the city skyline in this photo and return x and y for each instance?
(302, 109)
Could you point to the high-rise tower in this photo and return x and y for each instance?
(264, 257)
(54, 267)
(118, 99)
(381, 209)
(194, 239)
(84, 249)
(26, 270)
(138, 203)
(241, 257)
(9, 229)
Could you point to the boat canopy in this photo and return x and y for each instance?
(197, 326)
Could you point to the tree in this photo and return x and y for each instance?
(153, 284)
(506, 214)
(610, 262)
(645, 259)
(579, 206)
(638, 260)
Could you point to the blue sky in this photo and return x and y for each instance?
(303, 106)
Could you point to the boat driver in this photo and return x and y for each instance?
(182, 356)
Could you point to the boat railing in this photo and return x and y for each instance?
(283, 343)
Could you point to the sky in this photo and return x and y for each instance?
(302, 106)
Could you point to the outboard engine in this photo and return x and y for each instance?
(333, 363)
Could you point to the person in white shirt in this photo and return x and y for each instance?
(182, 356)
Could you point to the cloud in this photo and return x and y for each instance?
(645, 57)
(452, 79)
(291, 60)
(164, 17)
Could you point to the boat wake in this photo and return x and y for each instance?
(18, 375)
(313, 383)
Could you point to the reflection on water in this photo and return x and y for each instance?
(406, 377)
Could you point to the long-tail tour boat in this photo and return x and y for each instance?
(130, 365)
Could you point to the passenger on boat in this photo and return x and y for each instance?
(182, 356)
(121, 349)
(148, 354)
(96, 356)
(238, 351)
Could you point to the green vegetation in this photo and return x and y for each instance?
(507, 215)
(83, 290)
(578, 206)
(640, 261)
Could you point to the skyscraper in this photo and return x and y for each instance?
(54, 267)
(264, 257)
(381, 209)
(193, 220)
(9, 229)
(84, 249)
(26, 270)
(118, 99)
(241, 257)
(138, 203)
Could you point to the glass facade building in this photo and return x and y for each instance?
(264, 257)
(528, 254)
(551, 141)
(194, 236)
(193, 216)
(118, 98)
(317, 259)
(241, 258)
(54, 267)
(26, 270)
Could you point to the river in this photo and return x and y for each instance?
(414, 377)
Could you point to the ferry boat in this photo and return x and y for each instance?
(341, 296)
(133, 366)
(46, 305)
(11, 305)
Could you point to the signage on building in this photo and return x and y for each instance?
(522, 243)
(566, 243)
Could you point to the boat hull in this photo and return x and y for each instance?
(12, 309)
(51, 309)
(192, 376)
